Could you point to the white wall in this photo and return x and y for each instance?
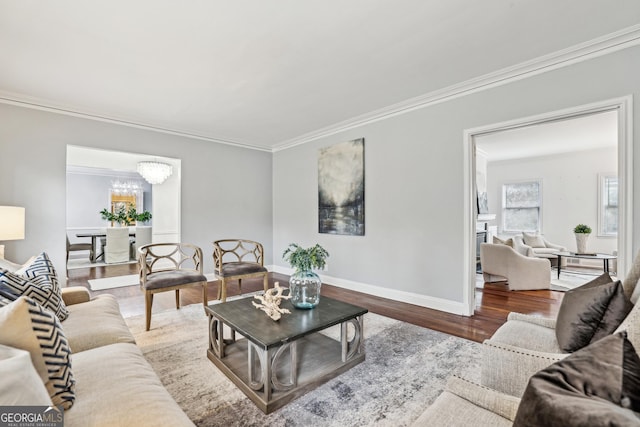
(226, 191)
(413, 249)
(569, 192)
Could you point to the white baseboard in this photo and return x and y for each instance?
(440, 304)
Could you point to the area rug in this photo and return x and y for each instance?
(406, 368)
(569, 280)
(114, 282)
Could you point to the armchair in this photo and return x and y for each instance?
(526, 344)
(501, 262)
(167, 267)
(237, 259)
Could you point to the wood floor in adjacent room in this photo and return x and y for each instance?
(493, 302)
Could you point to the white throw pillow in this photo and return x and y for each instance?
(534, 240)
(27, 326)
(20, 384)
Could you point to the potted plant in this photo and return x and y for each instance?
(304, 284)
(120, 216)
(142, 217)
(582, 233)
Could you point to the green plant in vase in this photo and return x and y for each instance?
(304, 284)
(120, 216)
(582, 233)
(142, 217)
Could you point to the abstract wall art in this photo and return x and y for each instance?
(341, 188)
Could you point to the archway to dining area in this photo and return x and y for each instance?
(100, 181)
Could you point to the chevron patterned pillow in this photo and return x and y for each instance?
(37, 280)
(25, 325)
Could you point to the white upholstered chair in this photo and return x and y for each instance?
(502, 263)
(117, 246)
(143, 236)
(525, 344)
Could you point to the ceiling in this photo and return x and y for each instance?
(563, 136)
(265, 74)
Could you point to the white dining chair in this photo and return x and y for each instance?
(117, 247)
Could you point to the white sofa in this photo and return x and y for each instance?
(547, 251)
(114, 384)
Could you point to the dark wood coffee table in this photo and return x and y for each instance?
(276, 362)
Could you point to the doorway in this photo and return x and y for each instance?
(107, 179)
(618, 107)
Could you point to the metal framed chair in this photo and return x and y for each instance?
(237, 259)
(167, 267)
(76, 247)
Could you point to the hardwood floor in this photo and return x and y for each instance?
(493, 303)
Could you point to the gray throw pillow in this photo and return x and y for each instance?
(591, 312)
(596, 386)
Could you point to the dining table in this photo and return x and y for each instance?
(94, 237)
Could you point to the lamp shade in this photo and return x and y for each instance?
(155, 172)
(11, 223)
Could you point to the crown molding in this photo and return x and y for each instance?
(36, 104)
(613, 42)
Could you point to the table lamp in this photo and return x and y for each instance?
(11, 225)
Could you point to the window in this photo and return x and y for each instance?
(608, 206)
(521, 203)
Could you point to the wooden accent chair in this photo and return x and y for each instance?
(168, 267)
(237, 259)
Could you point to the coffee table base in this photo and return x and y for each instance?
(301, 367)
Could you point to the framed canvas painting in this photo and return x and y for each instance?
(341, 188)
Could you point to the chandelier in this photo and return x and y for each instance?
(125, 188)
(155, 172)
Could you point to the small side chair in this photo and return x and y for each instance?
(73, 247)
(169, 267)
(237, 259)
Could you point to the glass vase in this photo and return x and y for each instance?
(304, 287)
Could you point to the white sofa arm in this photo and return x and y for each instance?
(550, 245)
(508, 369)
(522, 248)
(536, 320)
(500, 403)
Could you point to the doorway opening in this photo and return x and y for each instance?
(504, 135)
(103, 180)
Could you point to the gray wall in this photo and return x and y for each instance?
(414, 178)
(226, 191)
